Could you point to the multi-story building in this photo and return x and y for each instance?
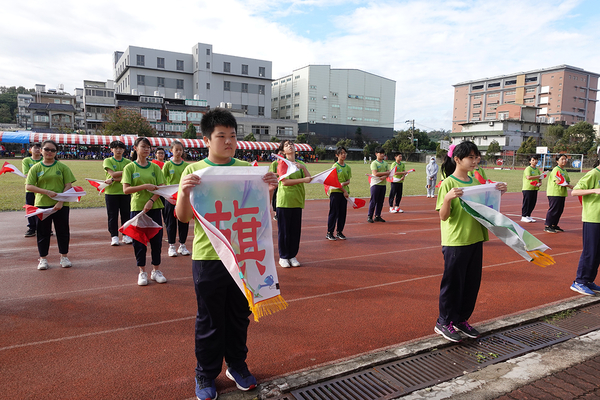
(563, 94)
(98, 101)
(52, 110)
(23, 116)
(201, 74)
(333, 103)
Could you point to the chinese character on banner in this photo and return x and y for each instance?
(233, 207)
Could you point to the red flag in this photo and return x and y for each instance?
(42, 213)
(254, 163)
(8, 167)
(284, 167)
(390, 177)
(535, 183)
(169, 193)
(356, 202)
(439, 183)
(480, 178)
(560, 179)
(159, 163)
(98, 184)
(328, 177)
(141, 228)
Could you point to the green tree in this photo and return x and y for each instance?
(528, 146)
(274, 139)
(344, 143)
(190, 132)
(369, 149)
(320, 152)
(552, 136)
(125, 121)
(493, 148)
(250, 137)
(404, 142)
(577, 139)
(6, 116)
(302, 138)
(358, 138)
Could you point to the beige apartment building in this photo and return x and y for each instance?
(562, 94)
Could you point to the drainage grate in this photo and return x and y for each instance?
(537, 335)
(488, 350)
(580, 322)
(595, 309)
(366, 385)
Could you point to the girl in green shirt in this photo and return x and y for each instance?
(556, 195)
(172, 171)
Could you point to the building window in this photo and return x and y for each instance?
(530, 90)
(160, 62)
(477, 96)
(533, 79)
(226, 67)
(261, 71)
(179, 83)
(296, 94)
(244, 69)
(495, 84)
(208, 85)
(160, 82)
(261, 111)
(208, 52)
(244, 88)
(510, 93)
(312, 87)
(261, 89)
(207, 65)
(179, 65)
(477, 87)
(245, 108)
(141, 59)
(227, 86)
(141, 80)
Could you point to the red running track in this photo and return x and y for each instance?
(91, 332)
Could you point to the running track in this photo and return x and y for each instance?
(91, 332)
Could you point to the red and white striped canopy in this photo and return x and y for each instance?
(269, 146)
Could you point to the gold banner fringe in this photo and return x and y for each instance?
(541, 259)
(265, 307)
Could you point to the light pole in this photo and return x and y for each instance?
(412, 129)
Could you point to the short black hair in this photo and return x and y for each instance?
(397, 153)
(282, 144)
(159, 149)
(535, 157)
(215, 117)
(36, 144)
(117, 144)
(339, 150)
(558, 156)
(379, 150)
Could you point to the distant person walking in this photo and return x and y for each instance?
(431, 170)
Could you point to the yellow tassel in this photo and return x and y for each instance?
(540, 258)
(265, 307)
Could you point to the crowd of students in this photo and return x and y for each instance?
(222, 310)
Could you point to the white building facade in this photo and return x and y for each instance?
(333, 103)
(242, 83)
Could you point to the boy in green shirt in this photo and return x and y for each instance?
(222, 308)
(117, 202)
(338, 205)
(532, 180)
(397, 183)
(380, 170)
(36, 156)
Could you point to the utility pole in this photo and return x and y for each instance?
(412, 130)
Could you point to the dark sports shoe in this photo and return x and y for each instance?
(242, 377)
(370, 220)
(467, 329)
(593, 286)
(340, 236)
(330, 236)
(205, 388)
(550, 229)
(448, 332)
(29, 233)
(558, 228)
(379, 219)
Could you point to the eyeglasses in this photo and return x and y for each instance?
(49, 150)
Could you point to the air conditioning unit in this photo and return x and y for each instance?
(491, 123)
(134, 92)
(89, 114)
(324, 117)
(325, 97)
(156, 93)
(353, 119)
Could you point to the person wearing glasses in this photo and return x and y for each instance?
(46, 179)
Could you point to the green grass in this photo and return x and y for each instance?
(12, 190)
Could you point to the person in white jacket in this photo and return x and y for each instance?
(432, 171)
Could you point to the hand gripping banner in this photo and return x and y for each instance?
(232, 205)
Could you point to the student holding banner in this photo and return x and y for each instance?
(117, 202)
(46, 179)
(222, 316)
(36, 156)
(338, 205)
(558, 182)
(462, 245)
(172, 171)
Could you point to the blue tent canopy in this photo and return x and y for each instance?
(15, 137)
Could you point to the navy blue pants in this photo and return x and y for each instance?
(61, 226)
(117, 204)
(289, 226)
(173, 223)
(460, 282)
(155, 243)
(376, 202)
(556, 206)
(529, 202)
(221, 321)
(31, 221)
(338, 208)
(396, 194)
(590, 255)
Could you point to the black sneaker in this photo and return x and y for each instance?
(558, 228)
(29, 233)
(467, 329)
(370, 220)
(379, 219)
(330, 236)
(340, 236)
(448, 332)
(550, 229)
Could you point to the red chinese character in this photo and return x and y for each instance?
(219, 216)
(247, 234)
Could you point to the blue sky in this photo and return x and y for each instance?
(426, 46)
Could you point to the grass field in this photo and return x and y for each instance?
(12, 186)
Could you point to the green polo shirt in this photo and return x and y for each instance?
(114, 165)
(553, 188)
(173, 171)
(590, 202)
(380, 167)
(136, 175)
(53, 177)
(344, 173)
(527, 182)
(292, 196)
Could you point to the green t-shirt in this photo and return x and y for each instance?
(553, 188)
(380, 167)
(460, 229)
(399, 168)
(292, 196)
(172, 171)
(273, 167)
(116, 166)
(27, 163)
(344, 174)
(590, 202)
(527, 182)
(136, 175)
(481, 172)
(202, 248)
(53, 177)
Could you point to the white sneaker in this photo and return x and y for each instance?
(157, 276)
(114, 241)
(65, 263)
(284, 263)
(392, 209)
(43, 264)
(294, 262)
(127, 239)
(183, 250)
(143, 279)
(398, 210)
(172, 251)
(531, 219)
(428, 196)
(525, 219)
